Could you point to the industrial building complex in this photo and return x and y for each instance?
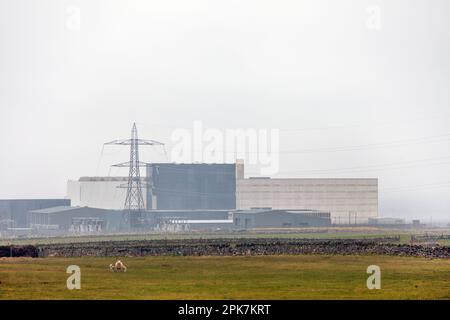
(222, 186)
(194, 196)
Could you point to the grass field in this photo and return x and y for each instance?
(299, 233)
(253, 277)
(405, 237)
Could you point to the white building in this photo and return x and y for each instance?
(99, 192)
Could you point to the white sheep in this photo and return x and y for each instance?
(118, 267)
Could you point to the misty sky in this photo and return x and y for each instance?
(350, 100)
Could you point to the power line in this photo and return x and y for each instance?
(134, 200)
(418, 187)
(380, 167)
(388, 144)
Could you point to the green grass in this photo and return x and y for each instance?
(444, 243)
(307, 233)
(253, 277)
(404, 237)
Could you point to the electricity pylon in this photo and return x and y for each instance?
(134, 200)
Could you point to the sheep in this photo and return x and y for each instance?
(118, 267)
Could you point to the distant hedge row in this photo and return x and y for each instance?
(19, 251)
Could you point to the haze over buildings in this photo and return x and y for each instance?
(349, 101)
(223, 187)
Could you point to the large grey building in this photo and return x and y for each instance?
(191, 186)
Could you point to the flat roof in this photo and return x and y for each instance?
(201, 221)
(105, 179)
(55, 209)
(262, 210)
(37, 199)
(59, 209)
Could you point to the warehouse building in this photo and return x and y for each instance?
(65, 220)
(75, 220)
(198, 214)
(389, 222)
(248, 219)
(268, 218)
(13, 212)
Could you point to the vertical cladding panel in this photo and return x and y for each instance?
(102, 193)
(73, 192)
(192, 186)
(274, 219)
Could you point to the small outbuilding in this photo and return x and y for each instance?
(270, 218)
(76, 219)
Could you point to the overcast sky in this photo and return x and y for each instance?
(356, 88)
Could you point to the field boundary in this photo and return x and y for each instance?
(229, 247)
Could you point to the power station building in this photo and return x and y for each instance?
(223, 187)
(98, 192)
(191, 186)
(350, 201)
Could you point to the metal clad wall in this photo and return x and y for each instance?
(100, 193)
(191, 186)
(190, 215)
(278, 219)
(17, 209)
(63, 218)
